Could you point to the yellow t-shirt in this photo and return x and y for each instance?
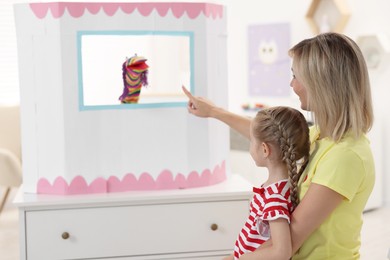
(346, 167)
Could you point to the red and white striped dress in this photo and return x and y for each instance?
(268, 203)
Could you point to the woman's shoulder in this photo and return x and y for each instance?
(348, 142)
(351, 143)
(349, 149)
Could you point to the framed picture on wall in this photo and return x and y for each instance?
(269, 63)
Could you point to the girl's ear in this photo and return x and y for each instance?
(266, 149)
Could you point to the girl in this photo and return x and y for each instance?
(279, 140)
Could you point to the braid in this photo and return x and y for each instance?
(287, 131)
(288, 152)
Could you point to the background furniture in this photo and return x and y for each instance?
(10, 154)
(198, 223)
(328, 16)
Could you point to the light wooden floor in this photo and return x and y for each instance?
(375, 233)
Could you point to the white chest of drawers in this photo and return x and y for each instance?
(200, 223)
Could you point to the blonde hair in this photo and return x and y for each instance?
(286, 130)
(332, 69)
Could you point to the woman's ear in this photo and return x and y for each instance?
(266, 149)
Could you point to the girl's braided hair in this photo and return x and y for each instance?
(285, 129)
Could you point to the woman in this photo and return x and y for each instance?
(331, 80)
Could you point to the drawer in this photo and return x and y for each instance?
(134, 230)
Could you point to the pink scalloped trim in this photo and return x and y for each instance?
(129, 182)
(76, 10)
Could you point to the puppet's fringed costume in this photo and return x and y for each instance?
(134, 72)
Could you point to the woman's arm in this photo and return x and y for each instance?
(316, 206)
(203, 107)
(281, 243)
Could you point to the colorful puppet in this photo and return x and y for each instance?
(134, 72)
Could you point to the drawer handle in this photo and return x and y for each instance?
(65, 235)
(214, 227)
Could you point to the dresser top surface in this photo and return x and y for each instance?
(235, 187)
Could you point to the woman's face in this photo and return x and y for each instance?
(300, 90)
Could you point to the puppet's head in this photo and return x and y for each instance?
(134, 72)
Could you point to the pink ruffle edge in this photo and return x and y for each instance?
(76, 10)
(130, 182)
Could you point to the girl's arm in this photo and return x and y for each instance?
(203, 107)
(280, 248)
